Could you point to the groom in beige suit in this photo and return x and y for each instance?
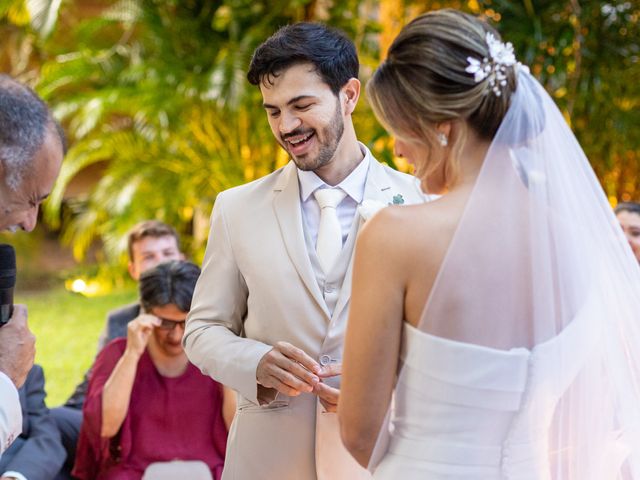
(270, 309)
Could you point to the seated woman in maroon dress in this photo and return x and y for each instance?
(146, 403)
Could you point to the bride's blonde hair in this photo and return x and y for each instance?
(423, 82)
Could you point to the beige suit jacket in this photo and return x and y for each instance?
(258, 287)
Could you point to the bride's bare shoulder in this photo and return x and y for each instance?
(399, 230)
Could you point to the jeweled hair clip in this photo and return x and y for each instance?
(493, 68)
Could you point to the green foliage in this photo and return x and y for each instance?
(14, 11)
(155, 91)
(67, 326)
(587, 54)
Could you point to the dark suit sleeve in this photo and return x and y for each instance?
(76, 400)
(41, 455)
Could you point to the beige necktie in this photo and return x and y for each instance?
(329, 243)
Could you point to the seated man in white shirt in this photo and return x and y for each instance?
(37, 454)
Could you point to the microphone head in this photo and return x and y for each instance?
(7, 266)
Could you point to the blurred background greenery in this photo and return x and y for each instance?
(66, 325)
(160, 118)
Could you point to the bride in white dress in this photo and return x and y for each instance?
(494, 333)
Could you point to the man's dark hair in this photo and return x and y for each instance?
(630, 207)
(24, 120)
(327, 49)
(170, 283)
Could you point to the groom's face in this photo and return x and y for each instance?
(305, 116)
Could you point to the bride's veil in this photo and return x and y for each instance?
(539, 262)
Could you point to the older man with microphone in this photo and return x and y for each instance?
(32, 146)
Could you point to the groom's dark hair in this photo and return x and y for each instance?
(329, 50)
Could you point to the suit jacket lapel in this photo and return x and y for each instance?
(286, 204)
(378, 188)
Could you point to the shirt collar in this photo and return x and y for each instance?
(353, 185)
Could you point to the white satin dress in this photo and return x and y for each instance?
(464, 411)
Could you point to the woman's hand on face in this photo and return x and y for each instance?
(138, 332)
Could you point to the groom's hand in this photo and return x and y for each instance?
(327, 395)
(288, 370)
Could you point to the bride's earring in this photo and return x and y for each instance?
(442, 139)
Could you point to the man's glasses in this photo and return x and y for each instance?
(169, 325)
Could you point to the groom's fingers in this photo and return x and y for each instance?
(303, 376)
(298, 355)
(284, 382)
(291, 385)
(278, 370)
(297, 362)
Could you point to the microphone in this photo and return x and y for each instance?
(7, 282)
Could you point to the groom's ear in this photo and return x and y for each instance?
(349, 95)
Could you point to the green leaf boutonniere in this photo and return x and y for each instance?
(398, 199)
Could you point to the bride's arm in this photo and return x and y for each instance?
(373, 334)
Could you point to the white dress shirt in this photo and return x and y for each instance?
(10, 412)
(353, 186)
(16, 475)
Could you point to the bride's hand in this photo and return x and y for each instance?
(328, 396)
(331, 370)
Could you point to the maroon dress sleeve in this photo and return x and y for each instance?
(95, 453)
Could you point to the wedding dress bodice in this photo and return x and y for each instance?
(464, 411)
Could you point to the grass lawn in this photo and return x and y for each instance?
(67, 326)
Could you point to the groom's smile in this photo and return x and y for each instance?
(298, 143)
(304, 115)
